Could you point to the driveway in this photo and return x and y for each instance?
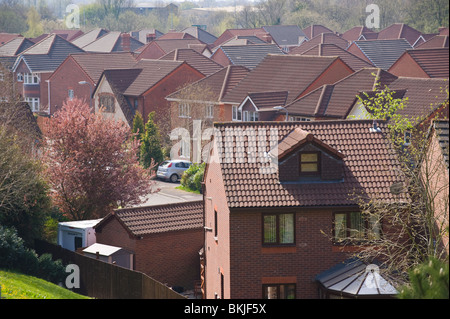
(168, 194)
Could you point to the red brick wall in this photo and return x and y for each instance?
(154, 99)
(152, 51)
(216, 251)
(171, 258)
(67, 77)
(253, 265)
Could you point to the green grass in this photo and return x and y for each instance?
(186, 189)
(18, 286)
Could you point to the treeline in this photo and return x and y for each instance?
(32, 17)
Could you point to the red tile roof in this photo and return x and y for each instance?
(399, 31)
(197, 60)
(141, 221)
(320, 39)
(434, 62)
(220, 83)
(328, 49)
(292, 73)
(369, 166)
(335, 100)
(356, 32)
(438, 41)
(315, 29)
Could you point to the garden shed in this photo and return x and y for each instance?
(110, 254)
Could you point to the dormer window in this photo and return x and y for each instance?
(309, 163)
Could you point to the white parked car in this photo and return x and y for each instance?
(172, 170)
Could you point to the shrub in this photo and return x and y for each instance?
(14, 255)
(193, 177)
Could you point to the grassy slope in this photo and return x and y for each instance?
(18, 286)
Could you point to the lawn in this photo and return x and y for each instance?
(18, 286)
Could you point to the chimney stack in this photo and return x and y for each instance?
(126, 42)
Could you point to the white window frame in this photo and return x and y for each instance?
(209, 111)
(34, 103)
(19, 77)
(70, 94)
(184, 110)
(236, 113)
(31, 78)
(293, 118)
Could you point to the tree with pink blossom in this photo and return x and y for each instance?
(91, 163)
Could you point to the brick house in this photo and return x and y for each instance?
(273, 222)
(87, 67)
(35, 65)
(143, 88)
(164, 239)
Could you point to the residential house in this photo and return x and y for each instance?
(286, 37)
(329, 49)
(381, 53)
(78, 75)
(143, 88)
(158, 48)
(35, 65)
(197, 60)
(164, 240)
(261, 106)
(333, 101)
(296, 74)
(323, 38)
(216, 86)
(315, 29)
(246, 55)
(359, 33)
(114, 42)
(400, 31)
(422, 63)
(276, 192)
(242, 40)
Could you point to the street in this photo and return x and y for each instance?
(168, 194)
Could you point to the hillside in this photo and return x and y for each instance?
(19, 286)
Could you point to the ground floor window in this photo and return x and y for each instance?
(279, 291)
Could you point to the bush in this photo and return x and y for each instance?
(14, 255)
(193, 177)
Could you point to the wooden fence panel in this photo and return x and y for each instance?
(102, 280)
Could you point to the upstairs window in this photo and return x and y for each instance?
(184, 110)
(354, 226)
(19, 77)
(237, 114)
(209, 111)
(278, 229)
(31, 78)
(310, 163)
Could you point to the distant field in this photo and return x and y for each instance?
(19, 286)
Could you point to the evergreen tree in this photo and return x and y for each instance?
(138, 125)
(151, 150)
